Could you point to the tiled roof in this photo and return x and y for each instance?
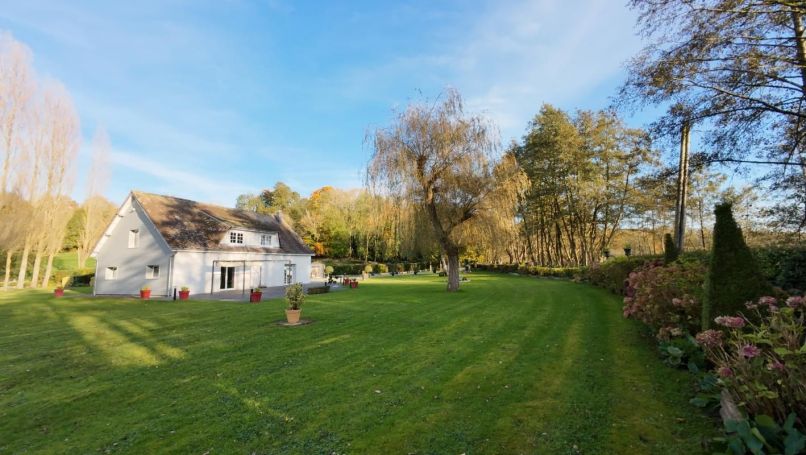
(191, 225)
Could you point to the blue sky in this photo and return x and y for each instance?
(208, 100)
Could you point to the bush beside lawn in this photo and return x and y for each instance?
(506, 365)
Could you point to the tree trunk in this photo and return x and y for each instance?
(7, 278)
(48, 271)
(453, 270)
(23, 265)
(37, 266)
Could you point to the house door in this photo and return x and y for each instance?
(227, 278)
(288, 273)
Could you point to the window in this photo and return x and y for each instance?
(236, 237)
(111, 273)
(152, 272)
(134, 238)
(227, 278)
(266, 240)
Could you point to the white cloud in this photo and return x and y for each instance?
(180, 179)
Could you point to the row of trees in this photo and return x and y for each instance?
(39, 142)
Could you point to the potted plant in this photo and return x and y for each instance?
(294, 295)
(627, 249)
(145, 292)
(184, 293)
(255, 295)
(59, 291)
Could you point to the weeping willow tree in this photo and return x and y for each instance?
(441, 160)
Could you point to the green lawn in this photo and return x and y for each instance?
(508, 365)
(68, 260)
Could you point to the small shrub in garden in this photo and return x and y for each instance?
(400, 267)
(295, 296)
(329, 270)
(368, 268)
(381, 268)
(733, 276)
(667, 299)
(762, 364)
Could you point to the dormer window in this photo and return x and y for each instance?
(236, 237)
(266, 240)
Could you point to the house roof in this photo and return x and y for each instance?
(191, 225)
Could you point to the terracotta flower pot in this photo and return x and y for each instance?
(58, 292)
(354, 284)
(145, 294)
(184, 295)
(292, 316)
(255, 297)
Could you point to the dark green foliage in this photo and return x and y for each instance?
(612, 273)
(733, 275)
(318, 290)
(763, 435)
(534, 270)
(77, 277)
(670, 250)
(783, 267)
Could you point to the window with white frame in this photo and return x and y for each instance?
(134, 238)
(111, 273)
(152, 272)
(236, 237)
(266, 240)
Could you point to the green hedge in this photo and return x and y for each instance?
(78, 277)
(613, 273)
(318, 290)
(533, 270)
(783, 267)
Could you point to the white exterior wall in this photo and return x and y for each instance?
(194, 269)
(114, 251)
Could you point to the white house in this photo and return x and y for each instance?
(166, 243)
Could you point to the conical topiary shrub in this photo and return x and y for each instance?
(670, 251)
(733, 276)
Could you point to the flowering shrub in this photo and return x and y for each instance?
(666, 298)
(762, 364)
(613, 273)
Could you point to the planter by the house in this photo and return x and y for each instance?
(255, 295)
(145, 293)
(354, 284)
(59, 292)
(295, 296)
(184, 293)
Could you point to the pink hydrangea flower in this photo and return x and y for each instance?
(709, 338)
(794, 301)
(767, 300)
(733, 322)
(749, 351)
(725, 372)
(775, 365)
